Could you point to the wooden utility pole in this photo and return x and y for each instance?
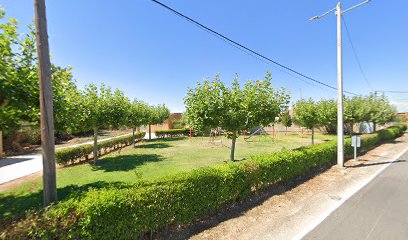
(46, 105)
(1, 144)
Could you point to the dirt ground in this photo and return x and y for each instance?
(289, 211)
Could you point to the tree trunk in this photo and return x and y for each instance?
(312, 135)
(1, 144)
(273, 132)
(150, 132)
(374, 126)
(286, 131)
(351, 129)
(95, 151)
(234, 139)
(46, 105)
(133, 138)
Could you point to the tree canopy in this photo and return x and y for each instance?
(212, 104)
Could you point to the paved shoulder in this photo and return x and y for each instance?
(12, 168)
(377, 211)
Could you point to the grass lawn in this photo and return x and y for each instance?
(149, 160)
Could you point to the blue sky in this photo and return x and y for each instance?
(153, 55)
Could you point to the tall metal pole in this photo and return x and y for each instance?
(340, 126)
(46, 105)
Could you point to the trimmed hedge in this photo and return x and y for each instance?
(69, 155)
(127, 213)
(172, 133)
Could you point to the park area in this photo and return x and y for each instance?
(149, 160)
(106, 180)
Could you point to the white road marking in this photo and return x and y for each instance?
(346, 196)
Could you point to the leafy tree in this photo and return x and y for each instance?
(286, 120)
(96, 110)
(180, 123)
(327, 115)
(381, 110)
(356, 110)
(9, 113)
(19, 88)
(118, 109)
(138, 116)
(67, 101)
(234, 109)
(157, 115)
(306, 114)
(18, 76)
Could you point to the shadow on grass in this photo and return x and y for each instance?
(15, 206)
(125, 162)
(167, 139)
(154, 145)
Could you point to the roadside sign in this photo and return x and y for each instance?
(356, 141)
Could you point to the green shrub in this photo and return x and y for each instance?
(71, 154)
(126, 213)
(172, 133)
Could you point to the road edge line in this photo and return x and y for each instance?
(347, 195)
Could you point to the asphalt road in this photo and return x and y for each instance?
(378, 211)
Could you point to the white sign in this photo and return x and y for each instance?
(356, 141)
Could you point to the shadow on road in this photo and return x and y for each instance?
(376, 163)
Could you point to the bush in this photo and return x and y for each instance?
(127, 213)
(172, 133)
(71, 154)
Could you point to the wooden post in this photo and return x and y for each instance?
(1, 144)
(46, 105)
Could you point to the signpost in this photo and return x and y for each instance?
(355, 142)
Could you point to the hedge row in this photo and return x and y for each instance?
(83, 152)
(128, 213)
(172, 133)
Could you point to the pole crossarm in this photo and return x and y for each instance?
(324, 14)
(356, 6)
(334, 10)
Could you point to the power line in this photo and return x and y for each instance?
(356, 56)
(244, 48)
(405, 92)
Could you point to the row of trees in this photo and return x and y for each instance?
(358, 109)
(235, 109)
(75, 110)
(103, 108)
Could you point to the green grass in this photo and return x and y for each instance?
(149, 160)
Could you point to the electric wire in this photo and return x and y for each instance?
(247, 50)
(355, 54)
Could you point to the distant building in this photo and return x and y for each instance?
(168, 123)
(403, 116)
